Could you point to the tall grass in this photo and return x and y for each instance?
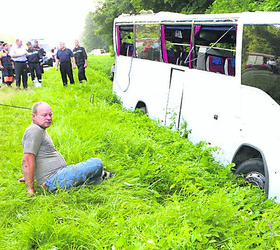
(167, 194)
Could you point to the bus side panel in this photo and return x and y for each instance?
(211, 108)
(149, 83)
(260, 127)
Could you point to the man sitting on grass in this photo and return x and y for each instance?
(44, 163)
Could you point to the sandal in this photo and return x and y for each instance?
(107, 175)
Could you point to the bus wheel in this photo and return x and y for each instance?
(143, 109)
(253, 172)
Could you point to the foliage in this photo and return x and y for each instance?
(108, 10)
(226, 6)
(262, 38)
(90, 37)
(178, 6)
(167, 194)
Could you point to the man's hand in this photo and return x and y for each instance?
(85, 65)
(56, 68)
(74, 66)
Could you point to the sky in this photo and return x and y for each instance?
(53, 20)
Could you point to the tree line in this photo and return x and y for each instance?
(99, 24)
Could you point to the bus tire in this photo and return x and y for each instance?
(253, 172)
(143, 109)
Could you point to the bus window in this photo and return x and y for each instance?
(260, 58)
(126, 41)
(147, 42)
(215, 49)
(177, 40)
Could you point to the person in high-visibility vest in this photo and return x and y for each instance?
(6, 65)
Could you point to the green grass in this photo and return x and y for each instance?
(167, 194)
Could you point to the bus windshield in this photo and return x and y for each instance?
(260, 58)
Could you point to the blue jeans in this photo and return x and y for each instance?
(89, 171)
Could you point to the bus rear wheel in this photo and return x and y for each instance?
(253, 172)
(143, 109)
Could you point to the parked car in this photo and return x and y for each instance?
(97, 52)
(48, 57)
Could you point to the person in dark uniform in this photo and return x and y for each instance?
(35, 60)
(66, 60)
(41, 51)
(18, 53)
(6, 65)
(1, 48)
(81, 60)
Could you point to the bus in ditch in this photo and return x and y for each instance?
(219, 73)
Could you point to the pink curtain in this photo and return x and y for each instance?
(196, 30)
(163, 44)
(118, 41)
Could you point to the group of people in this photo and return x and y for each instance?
(68, 59)
(18, 61)
(41, 161)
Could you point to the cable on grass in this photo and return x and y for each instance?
(12, 106)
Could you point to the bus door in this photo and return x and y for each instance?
(176, 48)
(125, 53)
(175, 98)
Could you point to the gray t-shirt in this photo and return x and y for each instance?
(47, 159)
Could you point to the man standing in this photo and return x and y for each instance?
(42, 162)
(63, 58)
(41, 51)
(81, 60)
(18, 53)
(35, 60)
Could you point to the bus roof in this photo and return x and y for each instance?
(169, 17)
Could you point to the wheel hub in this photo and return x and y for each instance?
(256, 179)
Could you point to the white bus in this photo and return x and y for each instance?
(219, 73)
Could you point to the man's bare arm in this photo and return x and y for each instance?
(28, 168)
(56, 64)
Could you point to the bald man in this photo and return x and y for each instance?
(19, 55)
(66, 61)
(43, 163)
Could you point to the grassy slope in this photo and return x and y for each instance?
(168, 193)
